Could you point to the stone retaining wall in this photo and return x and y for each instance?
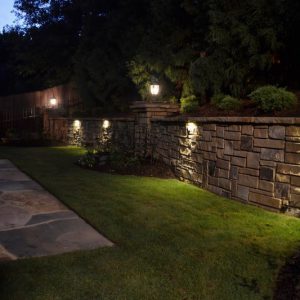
(255, 160)
(91, 132)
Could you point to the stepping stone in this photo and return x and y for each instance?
(11, 216)
(42, 218)
(19, 185)
(13, 175)
(5, 255)
(52, 238)
(34, 202)
(35, 223)
(6, 165)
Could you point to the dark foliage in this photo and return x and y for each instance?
(111, 49)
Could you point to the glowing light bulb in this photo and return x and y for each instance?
(154, 89)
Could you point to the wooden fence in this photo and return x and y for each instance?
(25, 111)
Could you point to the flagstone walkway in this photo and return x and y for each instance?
(34, 223)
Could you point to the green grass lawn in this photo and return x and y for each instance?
(173, 240)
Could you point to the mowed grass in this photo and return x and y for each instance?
(172, 240)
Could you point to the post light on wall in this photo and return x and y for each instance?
(154, 87)
(106, 124)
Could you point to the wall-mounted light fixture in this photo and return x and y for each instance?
(53, 102)
(191, 128)
(105, 124)
(76, 124)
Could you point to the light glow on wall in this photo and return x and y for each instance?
(106, 124)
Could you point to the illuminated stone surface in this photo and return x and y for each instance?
(35, 223)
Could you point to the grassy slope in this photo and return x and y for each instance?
(173, 240)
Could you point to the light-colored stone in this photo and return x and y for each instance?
(288, 169)
(247, 129)
(272, 154)
(266, 185)
(261, 133)
(267, 143)
(247, 171)
(295, 180)
(292, 158)
(223, 173)
(223, 164)
(248, 180)
(253, 160)
(243, 192)
(295, 200)
(220, 132)
(240, 153)
(268, 163)
(238, 161)
(283, 178)
(295, 190)
(293, 131)
(277, 132)
(228, 150)
(232, 135)
(234, 128)
(293, 147)
(265, 200)
(225, 183)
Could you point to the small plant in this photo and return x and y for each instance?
(217, 99)
(226, 102)
(189, 104)
(271, 98)
(121, 160)
(230, 103)
(89, 160)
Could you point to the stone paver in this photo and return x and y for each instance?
(34, 223)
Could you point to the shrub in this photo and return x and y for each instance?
(271, 98)
(217, 99)
(226, 102)
(89, 160)
(189, 104)
(230, 103)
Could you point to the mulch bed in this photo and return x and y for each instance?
(249, 110)
(288, 281)
(146, 168)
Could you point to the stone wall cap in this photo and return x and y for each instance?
(242, 120)
(124, 119)
(142, 104)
